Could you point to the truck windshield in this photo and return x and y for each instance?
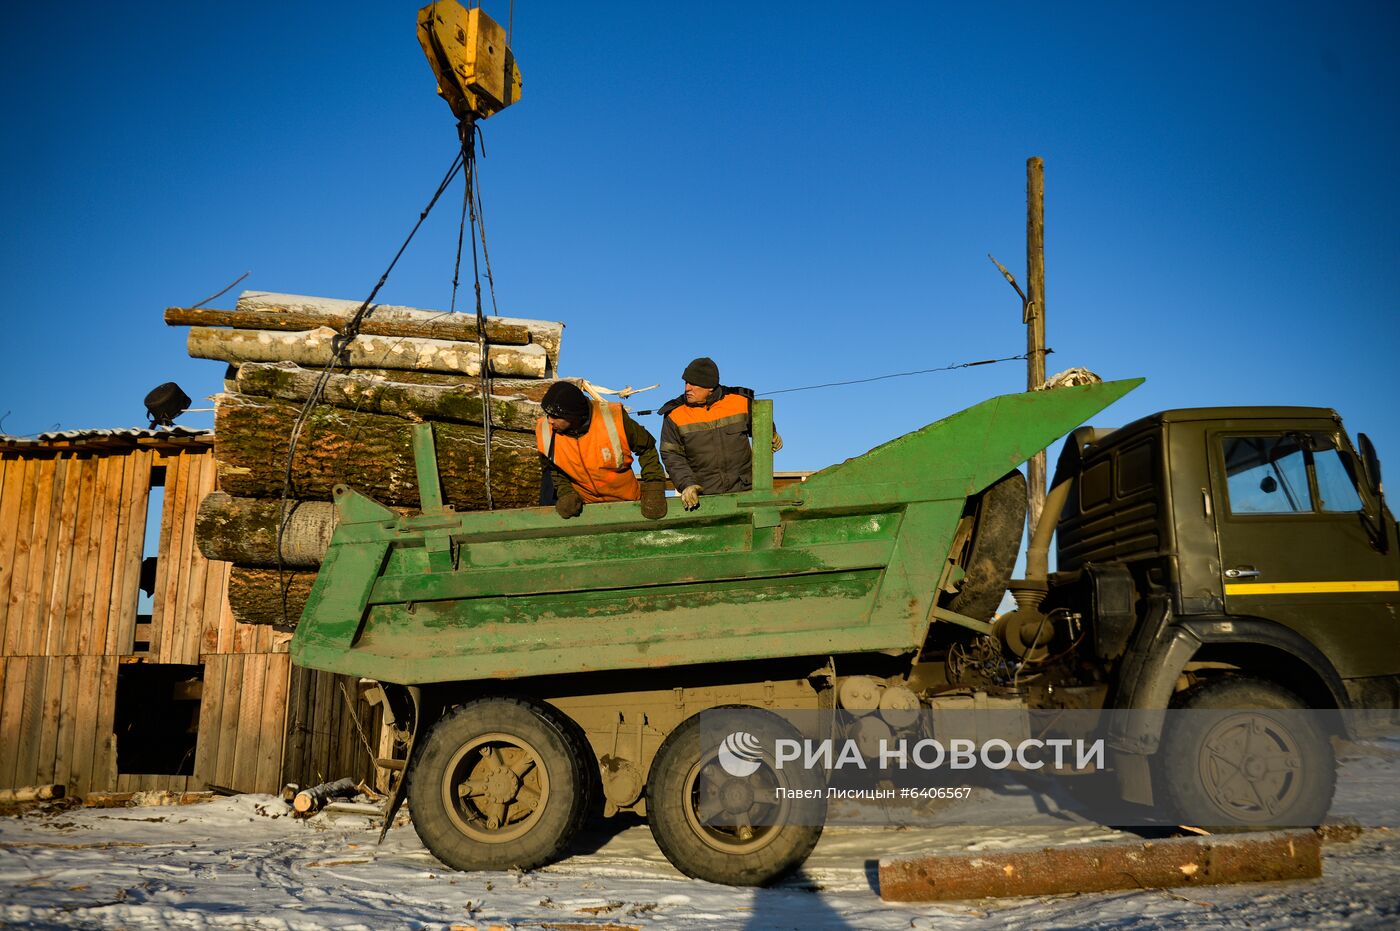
(1269, 475)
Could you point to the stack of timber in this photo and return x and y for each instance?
(406, 366)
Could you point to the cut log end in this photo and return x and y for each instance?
(316, 797)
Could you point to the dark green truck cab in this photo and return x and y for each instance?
(1228, 557)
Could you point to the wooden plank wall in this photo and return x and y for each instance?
(71, 538)
(68, 553)
(323, 739)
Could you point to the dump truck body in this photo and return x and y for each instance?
(848, 561)
(531, 663)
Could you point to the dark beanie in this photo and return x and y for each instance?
(702, 372)
(565, 399)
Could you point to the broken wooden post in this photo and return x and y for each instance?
(1187, 861)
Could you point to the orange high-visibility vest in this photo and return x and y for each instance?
(732, 408)
(599, 463)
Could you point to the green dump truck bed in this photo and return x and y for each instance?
(848, 561)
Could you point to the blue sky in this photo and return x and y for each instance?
(806, 192)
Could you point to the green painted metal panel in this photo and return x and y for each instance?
(425, 458)
(846, 562)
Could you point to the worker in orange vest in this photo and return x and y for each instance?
(705, 435)
(590, 446)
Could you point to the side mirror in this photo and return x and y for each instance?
(1370, 462)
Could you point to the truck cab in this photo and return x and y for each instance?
(1266, 531)
(1235, 560)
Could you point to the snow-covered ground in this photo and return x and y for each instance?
(245, 862)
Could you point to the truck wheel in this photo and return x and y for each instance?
(499, 784)
(723, 828)
(1247, 757)
(991, 553)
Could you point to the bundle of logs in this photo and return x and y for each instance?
(405, 366)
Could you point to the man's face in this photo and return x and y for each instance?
(560, 424)
(694, 394)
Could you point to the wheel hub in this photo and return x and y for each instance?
(495, 787)
(502, 785)
(736, 795)
(1249, 765)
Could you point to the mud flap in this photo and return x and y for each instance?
(395, 801)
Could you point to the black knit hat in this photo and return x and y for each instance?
(702, 372)
(565, 399)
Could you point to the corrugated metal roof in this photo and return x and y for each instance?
(119, 438)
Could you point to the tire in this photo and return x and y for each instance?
(991, 553)
(1247, 757)
(706, 838)
(528, 792)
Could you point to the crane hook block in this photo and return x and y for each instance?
(475, 68)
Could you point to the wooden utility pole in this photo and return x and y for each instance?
(1035, 317)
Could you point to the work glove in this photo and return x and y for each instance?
(777, 441)
(690, 497)
(569, 505)
(653, 500)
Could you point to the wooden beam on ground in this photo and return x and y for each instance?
(153, 797)
(1189, 861)
(314, 347)
(32, 793)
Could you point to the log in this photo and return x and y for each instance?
(532, 389)
(1188, 861)
(316, 797)
(32, 793)
(376, 394)
(364, 809)
(244, 530)
(313, 347)
(545, 333)
(153, 797)
(255, 595)
(372, 453)
(458, 327)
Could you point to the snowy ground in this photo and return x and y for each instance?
(244, 862)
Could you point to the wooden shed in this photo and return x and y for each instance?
(121, 667)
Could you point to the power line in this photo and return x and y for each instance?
(862, 381)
